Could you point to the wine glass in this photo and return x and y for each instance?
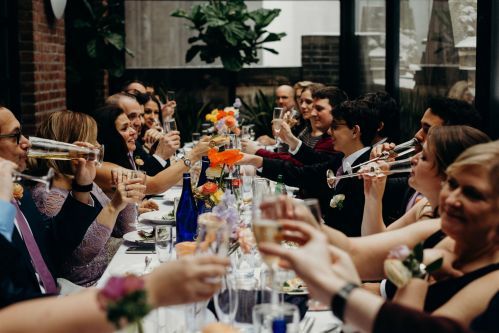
(267, 230)
(277, 123)
(121, 175)
(261, 189)
(226, 300)
(171, 125)
(47, 180)
(268, 318)
(163, 242)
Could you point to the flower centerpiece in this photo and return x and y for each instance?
(225, 120)
(402, 264)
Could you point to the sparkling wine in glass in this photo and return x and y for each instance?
(277, 123)
(56, 150)
(266, 230)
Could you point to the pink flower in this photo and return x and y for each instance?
(117, 287)
(400, 252)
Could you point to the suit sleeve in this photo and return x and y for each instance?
(70, 225)
(281, 156)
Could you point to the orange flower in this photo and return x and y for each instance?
(228, 157)
(230, 121)
(221, 114)
(231, 113)
(209, 188)
(236, 131)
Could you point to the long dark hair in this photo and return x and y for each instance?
(115, 147)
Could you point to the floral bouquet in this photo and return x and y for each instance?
(225, 121)
(402, 264)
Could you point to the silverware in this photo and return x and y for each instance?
(147, 262)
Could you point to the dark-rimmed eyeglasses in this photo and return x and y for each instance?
(335, 126)
(16, 135)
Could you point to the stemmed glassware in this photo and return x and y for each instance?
(56, 150)
(277, 124)
(47, 180)
(374, 169)
(314, 208)
(120, 175)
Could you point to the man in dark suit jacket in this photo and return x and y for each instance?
(55, 238)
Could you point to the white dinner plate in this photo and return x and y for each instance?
(134, 237)
(158, 216)
(172, 194)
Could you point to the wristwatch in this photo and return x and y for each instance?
(187, 162)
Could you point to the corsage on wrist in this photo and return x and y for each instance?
(403, 264)
(125, 300)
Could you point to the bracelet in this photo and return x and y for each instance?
(339, 299)
(125, 300)
(81, 188)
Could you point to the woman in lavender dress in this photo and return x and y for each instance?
(87, 263)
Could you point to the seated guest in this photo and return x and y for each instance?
(469, 204)
(117, 134)
(361, 309)
(316, 106)
(87, 263)
(443, 145)
(42, 244)
(168, 144)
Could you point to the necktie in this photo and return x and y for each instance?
(36, 257)
(132, 162)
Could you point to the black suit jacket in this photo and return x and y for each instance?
(151, 165)
(56, 237)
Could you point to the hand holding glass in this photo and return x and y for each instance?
(56, 150)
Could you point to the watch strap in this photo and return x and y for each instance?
(338, 302)
(81, 188)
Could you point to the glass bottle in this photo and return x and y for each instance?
(187, 213)
(280, 188)
(205, 163)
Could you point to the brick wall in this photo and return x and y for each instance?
(42, 62)
(320, 59)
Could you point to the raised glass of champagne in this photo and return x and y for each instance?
(56, 150)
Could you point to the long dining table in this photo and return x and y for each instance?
(173, 319)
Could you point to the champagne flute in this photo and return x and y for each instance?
(226, 300)
(171, 125)
(277, 123)
(314, 208)
(57, 150)
(47, 180)
(266, 230)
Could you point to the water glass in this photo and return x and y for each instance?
(247, 189)
(266, 316)
(163, 241)
(245, 132)
(226, 300)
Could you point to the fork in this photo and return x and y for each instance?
(147, 262)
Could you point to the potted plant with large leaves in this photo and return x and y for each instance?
(227, 30)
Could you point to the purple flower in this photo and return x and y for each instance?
(228, 199)
(400, 252)
(237, 103)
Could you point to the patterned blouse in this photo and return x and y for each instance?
(88, 262)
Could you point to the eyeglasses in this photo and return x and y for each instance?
(16, 135)
(334, 126)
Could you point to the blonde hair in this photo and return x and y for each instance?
(66, 126)
(458, 89)
(484, 156)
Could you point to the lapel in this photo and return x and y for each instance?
(344, 183)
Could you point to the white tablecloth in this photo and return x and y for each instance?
(172, 319)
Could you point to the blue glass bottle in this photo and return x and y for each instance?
(205, 163)
(187, 213)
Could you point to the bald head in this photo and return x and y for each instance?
(285, 97)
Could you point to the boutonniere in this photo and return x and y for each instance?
(17, 191)
(337, 201)
(138, 161)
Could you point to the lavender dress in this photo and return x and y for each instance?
(88, 262)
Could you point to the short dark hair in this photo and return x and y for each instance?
(388, 112)
(335, 95)
(455, 112)
(362, 114)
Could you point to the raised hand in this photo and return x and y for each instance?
(6, 169)
(168, 145)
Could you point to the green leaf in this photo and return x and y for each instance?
(129, 52)
(192, 40)
(180, 13)
(92, 49)
(434, 266)
(116, 40)
(271, 37)
(270, 50)
(231, 63)
(192, 52)
(418, 252)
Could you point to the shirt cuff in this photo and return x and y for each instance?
(160, 160)
(7, 212)
(294, 151)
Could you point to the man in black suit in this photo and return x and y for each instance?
(352, 130)
(39, 243)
